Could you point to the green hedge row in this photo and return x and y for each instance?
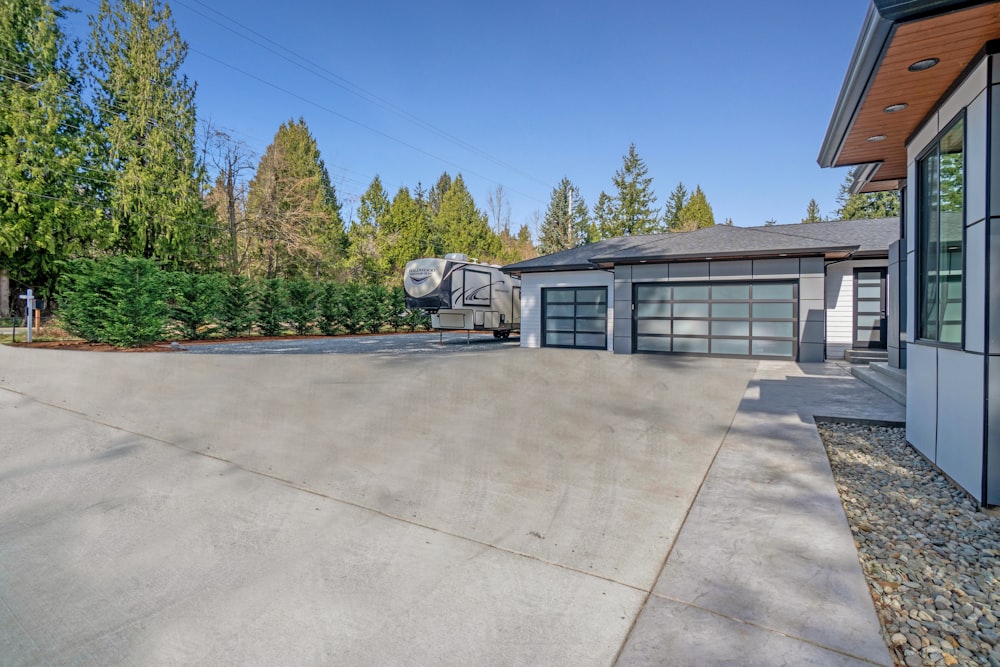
(128, 301)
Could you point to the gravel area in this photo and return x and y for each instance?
(932, 559)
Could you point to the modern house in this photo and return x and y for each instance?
(919, 112)
(802, 292)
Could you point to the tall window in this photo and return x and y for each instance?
(941, 210)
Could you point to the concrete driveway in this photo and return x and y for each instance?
(502, 507)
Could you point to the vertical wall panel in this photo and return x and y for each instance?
(960, 418)
(975, 287)
(993, 434)
(975, 160)
(921, 399)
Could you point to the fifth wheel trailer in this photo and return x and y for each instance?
(463, 294)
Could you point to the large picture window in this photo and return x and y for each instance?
(941, 211)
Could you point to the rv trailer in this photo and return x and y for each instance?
(462, 294)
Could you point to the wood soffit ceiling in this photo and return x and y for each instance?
(955, 39)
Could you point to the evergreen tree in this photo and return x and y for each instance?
(47, 211)
(146, 127)
(697, 213)
(463, 227)
(865, 204)
(562, 229)
(404, 235)
(292, 208)
(437, 193)
(364, 255)
(605, 225)
(515, 248)
(636, 199)
(812, 212)
(676, 201)
(631, 211)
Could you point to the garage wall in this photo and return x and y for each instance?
(807, 270)
(840, 304)
(532, 285)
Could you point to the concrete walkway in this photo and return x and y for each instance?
(511, 507)
(764, 571)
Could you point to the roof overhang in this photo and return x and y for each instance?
(832, 252)
(868, 129)
(547, 269)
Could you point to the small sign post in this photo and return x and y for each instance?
(29, 311)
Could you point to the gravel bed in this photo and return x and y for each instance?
(932, 559)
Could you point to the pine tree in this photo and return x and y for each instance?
(605, 224)
(631, 210)
(292, 209)
(697, 213)
(865, 204)
(364, 254)
(146, 124)
(812, 212)
(404, 235)
(463, 227)
(635, 198)
(437, 193)
(676, 201)
(47, 211)
(561, 229)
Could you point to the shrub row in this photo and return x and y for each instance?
(127, 302)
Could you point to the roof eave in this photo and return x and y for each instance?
(739, 254)
(514, 271)
(868, 53)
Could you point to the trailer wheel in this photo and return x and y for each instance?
(498, 334)
(506, 334)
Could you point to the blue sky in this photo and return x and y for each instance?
(730, 95)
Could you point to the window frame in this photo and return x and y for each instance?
(921, 239)
(575, 288)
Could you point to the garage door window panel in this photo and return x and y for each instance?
(731, 319)
(575, 317)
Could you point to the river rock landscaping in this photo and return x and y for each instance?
(931, 556)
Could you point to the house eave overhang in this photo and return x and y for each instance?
(831, 251)
(865, 129)
(868, 52)
(549, 269)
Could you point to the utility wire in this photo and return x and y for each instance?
(318, 70)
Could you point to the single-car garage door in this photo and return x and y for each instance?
(746, 319)
(575, 317)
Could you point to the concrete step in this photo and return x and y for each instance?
(886, 382)
(884, 368)
(865, 356)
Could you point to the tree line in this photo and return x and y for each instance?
(130, 301)
(102, 155)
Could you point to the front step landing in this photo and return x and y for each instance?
(887, 379)
(865, 356)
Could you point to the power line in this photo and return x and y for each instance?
(348, 118)
(349, 86)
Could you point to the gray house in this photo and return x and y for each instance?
(802, 292)
(919, 112)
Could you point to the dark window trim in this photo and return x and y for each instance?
(918, 227)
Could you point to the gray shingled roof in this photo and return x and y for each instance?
(861, 237)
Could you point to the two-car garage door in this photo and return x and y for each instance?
(747, 319)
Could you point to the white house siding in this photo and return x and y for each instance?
(532, 285)
(947, 387)
(840, 304)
